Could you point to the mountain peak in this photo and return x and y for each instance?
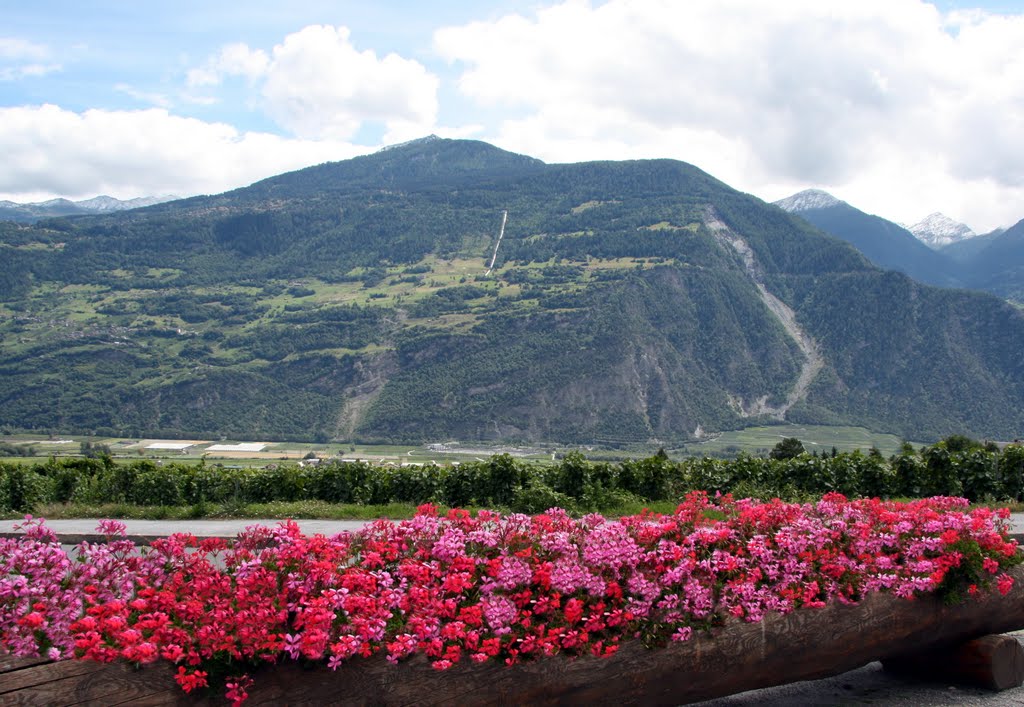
(808, 200)
(938, 230)
(474, 153)
(410, 143)
(407, 165)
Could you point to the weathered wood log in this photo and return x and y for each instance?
(71, 682)
(994, 662)
(804, 645)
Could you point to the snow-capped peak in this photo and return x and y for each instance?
(105, 203)
(100, 203)
(808, 200)
(938, 230)
(63, 207)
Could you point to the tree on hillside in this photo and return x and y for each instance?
(90, 450)
(960, 443)
(788, 448)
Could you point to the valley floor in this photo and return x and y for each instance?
(757, 440)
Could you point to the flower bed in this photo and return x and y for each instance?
(490, 588)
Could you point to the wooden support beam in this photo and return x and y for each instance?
(994, 662)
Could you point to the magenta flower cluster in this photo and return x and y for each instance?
(485, 587)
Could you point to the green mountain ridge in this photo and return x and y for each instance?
(998, 266)
(350, 301)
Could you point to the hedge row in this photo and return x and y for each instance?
(976, 472)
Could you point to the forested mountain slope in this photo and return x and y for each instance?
(350, 300)
(997, 263)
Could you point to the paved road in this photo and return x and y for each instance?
(73, 531)
(142, 531)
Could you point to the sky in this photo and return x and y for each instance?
(899, 107)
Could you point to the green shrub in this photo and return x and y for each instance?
(573, 475)
(705, 474)
(978, 473)
(538, 497)
(1011, 472)
(269, 484)
(22, 488)
(910, 473)
(158, 486)
(877, 478)
(461, 485)
(203, 484)
(415, 484)
(504, 479)
(115, 484)
(330, 482)
(941, 477)
(66, 483)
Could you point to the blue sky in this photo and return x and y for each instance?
(900, 107)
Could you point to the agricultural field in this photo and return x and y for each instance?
(238, 453)
(820, 438)
(752, 440)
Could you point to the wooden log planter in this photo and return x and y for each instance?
(995, 662)
(806, 644)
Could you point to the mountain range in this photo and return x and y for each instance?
(26, 213)
(942, 252)
(885, 243)
(629, 302)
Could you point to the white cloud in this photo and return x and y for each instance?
(50, 151)
(320, 85)
(156, 99)
(232, 60)
(21, 59)
(25, 71)
(316, 84)
(768, 95)
(14, 48)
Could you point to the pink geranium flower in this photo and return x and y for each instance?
(489, 587)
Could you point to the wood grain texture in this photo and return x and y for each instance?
(73, 682)
(43, 674)
(9, 662)
(804, 645)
